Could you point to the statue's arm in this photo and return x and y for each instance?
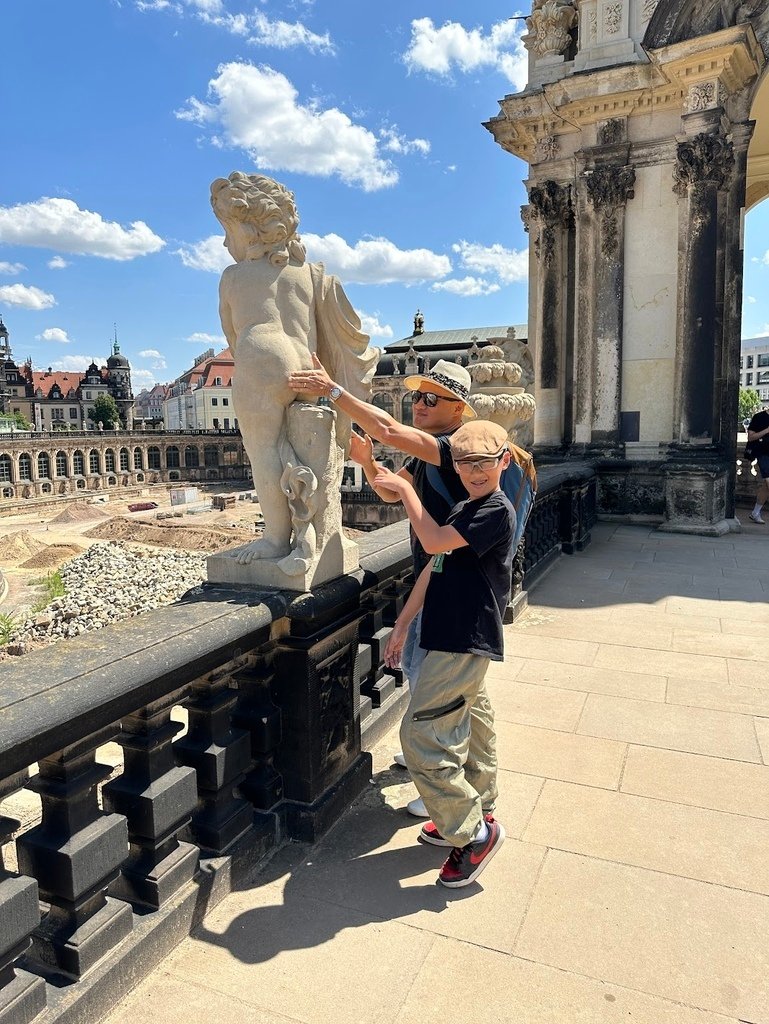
(225, 315)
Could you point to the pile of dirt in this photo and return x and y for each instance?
(168, 535)
(78, 512)
(52, 556)
(17, 547)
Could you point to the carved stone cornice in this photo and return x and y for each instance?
(549, 25)
(705, 159)
(549, 204)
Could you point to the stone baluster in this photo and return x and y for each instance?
(157, 799)
(220, 754)
(75, 854)
(608, 188)
(375, 629)
(702, 170)
(257, 712)
(22, 995)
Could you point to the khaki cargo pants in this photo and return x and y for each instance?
(449, 743)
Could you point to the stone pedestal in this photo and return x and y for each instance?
(695, 501)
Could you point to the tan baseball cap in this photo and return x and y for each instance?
(478, 438)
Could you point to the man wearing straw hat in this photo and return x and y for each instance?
(440, 407)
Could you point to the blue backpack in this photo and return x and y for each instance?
(519, 483)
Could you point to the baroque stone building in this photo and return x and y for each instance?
(645, 125)
(61, 400)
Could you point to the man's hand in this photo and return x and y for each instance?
(362, 450)
(314, 383)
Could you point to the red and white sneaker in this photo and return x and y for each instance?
(465, 863)
(430, 834)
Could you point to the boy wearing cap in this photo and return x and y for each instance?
(440, 405)
(448, 731)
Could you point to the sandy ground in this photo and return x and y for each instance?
(34, 543)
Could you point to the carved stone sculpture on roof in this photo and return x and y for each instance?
(276, 310)
(503, 386)
(549, 25)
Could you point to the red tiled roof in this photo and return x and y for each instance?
(66, 381)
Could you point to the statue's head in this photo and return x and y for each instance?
(259, 218)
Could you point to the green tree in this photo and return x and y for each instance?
(750, 403)
(105, 411)
(21, 422)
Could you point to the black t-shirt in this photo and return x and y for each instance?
(469, 588)
(433, 502)
(760, 422)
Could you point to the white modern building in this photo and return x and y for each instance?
(754, 365)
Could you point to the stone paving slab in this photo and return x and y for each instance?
(633, 737)
(697, 780)
(701, 944)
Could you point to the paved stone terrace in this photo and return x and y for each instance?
(633, 721)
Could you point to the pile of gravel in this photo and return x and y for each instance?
(107, 583)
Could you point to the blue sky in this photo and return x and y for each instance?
(119, 113)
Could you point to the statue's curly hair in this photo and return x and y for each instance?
(265, 206)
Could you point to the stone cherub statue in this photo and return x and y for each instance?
(276, 311)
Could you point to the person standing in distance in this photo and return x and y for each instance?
(758, 439)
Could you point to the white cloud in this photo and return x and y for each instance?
(143, 379)
(375, 260)
(284, 35)
(466, 286)
(61, 224)
(509, 265)
(209, 254)
(58, 263)
(764, 258)
(26, 296)
(54, 334)
(11, 268)
(201, 338)
(439, 50)
(73, 364)
(257, 110)
(371, 325)
(393, 141)
(151, 353)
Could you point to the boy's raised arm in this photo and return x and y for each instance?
(432, 537)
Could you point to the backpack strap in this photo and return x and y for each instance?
(435, 480)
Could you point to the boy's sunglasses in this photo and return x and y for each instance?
(484, 464)
(429, 398)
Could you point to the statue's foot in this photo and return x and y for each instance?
(260, 549)
(294, 564)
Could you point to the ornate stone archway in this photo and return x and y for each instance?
(645, 123)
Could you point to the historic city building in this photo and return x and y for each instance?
(201, 398)
(645, 125)
(56, 400)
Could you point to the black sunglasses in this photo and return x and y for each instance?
(429, 398)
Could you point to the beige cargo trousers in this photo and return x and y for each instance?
(449, 744)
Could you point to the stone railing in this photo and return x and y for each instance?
(281, 693)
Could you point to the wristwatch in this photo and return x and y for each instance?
(335, 393)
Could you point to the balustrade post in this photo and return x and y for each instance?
(22, 995)
(379, 685)
(75, 854)
(220, 754)
(257, 712)
(157, 799)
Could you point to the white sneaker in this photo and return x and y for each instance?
(755, 517)
(400, 760)
(417, 808)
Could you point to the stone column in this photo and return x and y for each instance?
(702, 173)
(549, 218)
(608, 187)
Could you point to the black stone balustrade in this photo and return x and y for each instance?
(157, 799)
(282, 693)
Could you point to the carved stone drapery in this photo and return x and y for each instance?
(705, 159)
(608, 188)
(550, 204)
(549, 25)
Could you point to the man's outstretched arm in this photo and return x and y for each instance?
(376, 422)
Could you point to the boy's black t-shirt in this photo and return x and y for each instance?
(466, 599)
(760, 422)
(432, 501)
